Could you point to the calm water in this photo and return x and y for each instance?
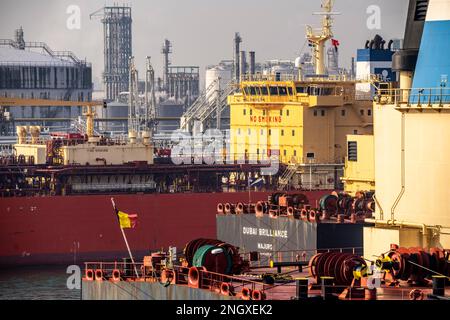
(36, 283)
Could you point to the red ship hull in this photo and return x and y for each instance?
(75, 229)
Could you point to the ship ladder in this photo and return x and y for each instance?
(287, 175)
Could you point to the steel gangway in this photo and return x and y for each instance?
(287, 175)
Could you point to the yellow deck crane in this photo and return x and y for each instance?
(88, 107)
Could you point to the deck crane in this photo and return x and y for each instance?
(150, 100)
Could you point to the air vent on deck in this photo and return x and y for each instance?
(421, 10)
(352, 151)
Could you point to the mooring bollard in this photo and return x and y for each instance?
(327, 287)
(301, 288)
(439, 285)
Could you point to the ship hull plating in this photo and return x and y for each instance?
(75, 229)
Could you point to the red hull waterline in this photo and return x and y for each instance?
(75, 229)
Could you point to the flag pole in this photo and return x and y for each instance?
(126, 241)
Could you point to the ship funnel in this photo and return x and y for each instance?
(35, 133)
(404, 61)
(433, 62)
(22, 132)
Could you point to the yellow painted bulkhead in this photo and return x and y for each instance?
(422, 195)
(38, 151)
(111, 155)
(359, 169)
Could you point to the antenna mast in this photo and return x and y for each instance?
(319, 38)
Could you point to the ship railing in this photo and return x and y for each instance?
(296, 255)
(127, 271)
(415, 97)
(268, 77)
(287, 290)
(215, 280)
(371, 78)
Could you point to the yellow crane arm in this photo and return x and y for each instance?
(19, 102)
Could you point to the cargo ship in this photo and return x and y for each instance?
(282, 248)
(61, 213)
(56, 190)
(56, 196)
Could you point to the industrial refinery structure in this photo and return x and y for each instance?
(32, 70)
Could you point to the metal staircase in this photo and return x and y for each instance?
(205, 107)
(80, 126)
(287, 175)
(208, 113)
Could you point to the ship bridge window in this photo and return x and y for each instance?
(282, 91)
(290, 91)
(273, 91)
(252, 91)
(300, 89)
(313, 91)
(318, 91)
(326, 91)
(264, 91)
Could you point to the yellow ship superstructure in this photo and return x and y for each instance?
(305, 123)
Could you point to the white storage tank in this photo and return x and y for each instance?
(224, 71)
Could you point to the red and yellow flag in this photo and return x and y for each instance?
(126, 220)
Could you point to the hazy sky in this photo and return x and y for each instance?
(201, 31)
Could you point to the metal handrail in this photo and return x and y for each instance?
(414, 96)
(213, 277)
